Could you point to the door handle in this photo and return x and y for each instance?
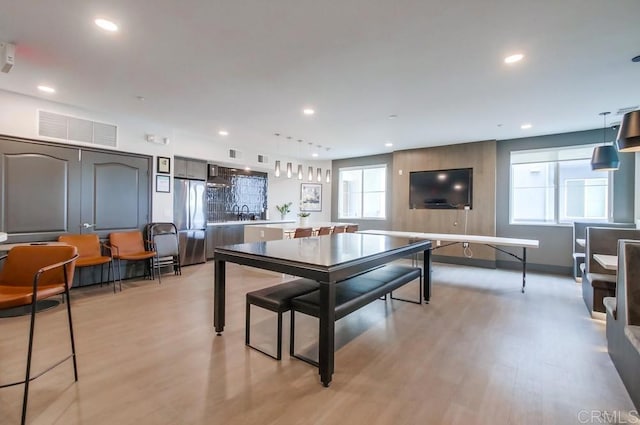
(87, 225)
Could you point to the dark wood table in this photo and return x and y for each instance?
(326, 259)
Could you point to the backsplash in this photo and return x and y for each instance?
(244, 199)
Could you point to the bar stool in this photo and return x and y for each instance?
(275, 298)
(32, 273)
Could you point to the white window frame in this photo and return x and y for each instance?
(557, 155)
(362, 192)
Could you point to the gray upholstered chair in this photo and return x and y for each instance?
(598, 282)
(623, 318)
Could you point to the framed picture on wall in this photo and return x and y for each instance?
(310, 197)
(164, 165)
(163, 184)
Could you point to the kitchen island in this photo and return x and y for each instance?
(233, 232)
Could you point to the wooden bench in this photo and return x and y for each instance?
(354, 293)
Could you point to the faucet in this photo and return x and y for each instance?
(234, 208)
(242, 210)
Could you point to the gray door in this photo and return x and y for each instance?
(47, 190)
(115, 192)
(39, 189)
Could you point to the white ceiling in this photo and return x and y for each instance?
(251, 66)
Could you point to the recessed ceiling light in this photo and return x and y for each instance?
(635, 59)
(392, 116)
(47, 89)
(223, 132)
(514, 58)
(526, 126)
(388, 144)
(315, 155)
(106, 24)
(308, 111)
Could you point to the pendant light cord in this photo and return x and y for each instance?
(604, 127)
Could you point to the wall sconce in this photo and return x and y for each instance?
(277, 172)
(299, 171)
(319, 175)
(310, 174)
(328, 176)
(289, 170)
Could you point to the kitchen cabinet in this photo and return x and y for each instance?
(189, 168)
(227, 234)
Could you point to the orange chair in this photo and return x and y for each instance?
(130, 246)
(339, 229)
(324, 231)
(32, 273)
(352, 228)
(90, 254)
(303, 232)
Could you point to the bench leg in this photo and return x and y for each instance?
(247, 334)
(410, 301)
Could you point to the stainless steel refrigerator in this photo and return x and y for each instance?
(190, 217)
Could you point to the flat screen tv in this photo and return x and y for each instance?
(441, 189)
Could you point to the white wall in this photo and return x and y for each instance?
(18, 117)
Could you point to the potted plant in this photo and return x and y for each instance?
(284, 209)
(304, 217)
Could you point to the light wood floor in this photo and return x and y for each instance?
(480, 353)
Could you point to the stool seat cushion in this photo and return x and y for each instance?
(277, 298)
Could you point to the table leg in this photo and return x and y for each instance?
(426, 273)
(218, 296)
(524, 268)
(326, 346)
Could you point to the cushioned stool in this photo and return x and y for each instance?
(277, 299)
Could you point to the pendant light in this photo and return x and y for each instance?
(605, 157)
(629, 133)
(299, 165)
(289, 165)
(277, 170)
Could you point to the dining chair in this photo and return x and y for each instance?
(352, 228)
(90, 254)
(339, 229)
(32, 273)
(129, 246)
(326, 230)
(302, 232)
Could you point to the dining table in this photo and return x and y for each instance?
(327, 260)
(609, 262)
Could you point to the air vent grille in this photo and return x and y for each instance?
(66, 127)
(235, 154)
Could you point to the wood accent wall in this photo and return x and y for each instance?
(481, 156)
